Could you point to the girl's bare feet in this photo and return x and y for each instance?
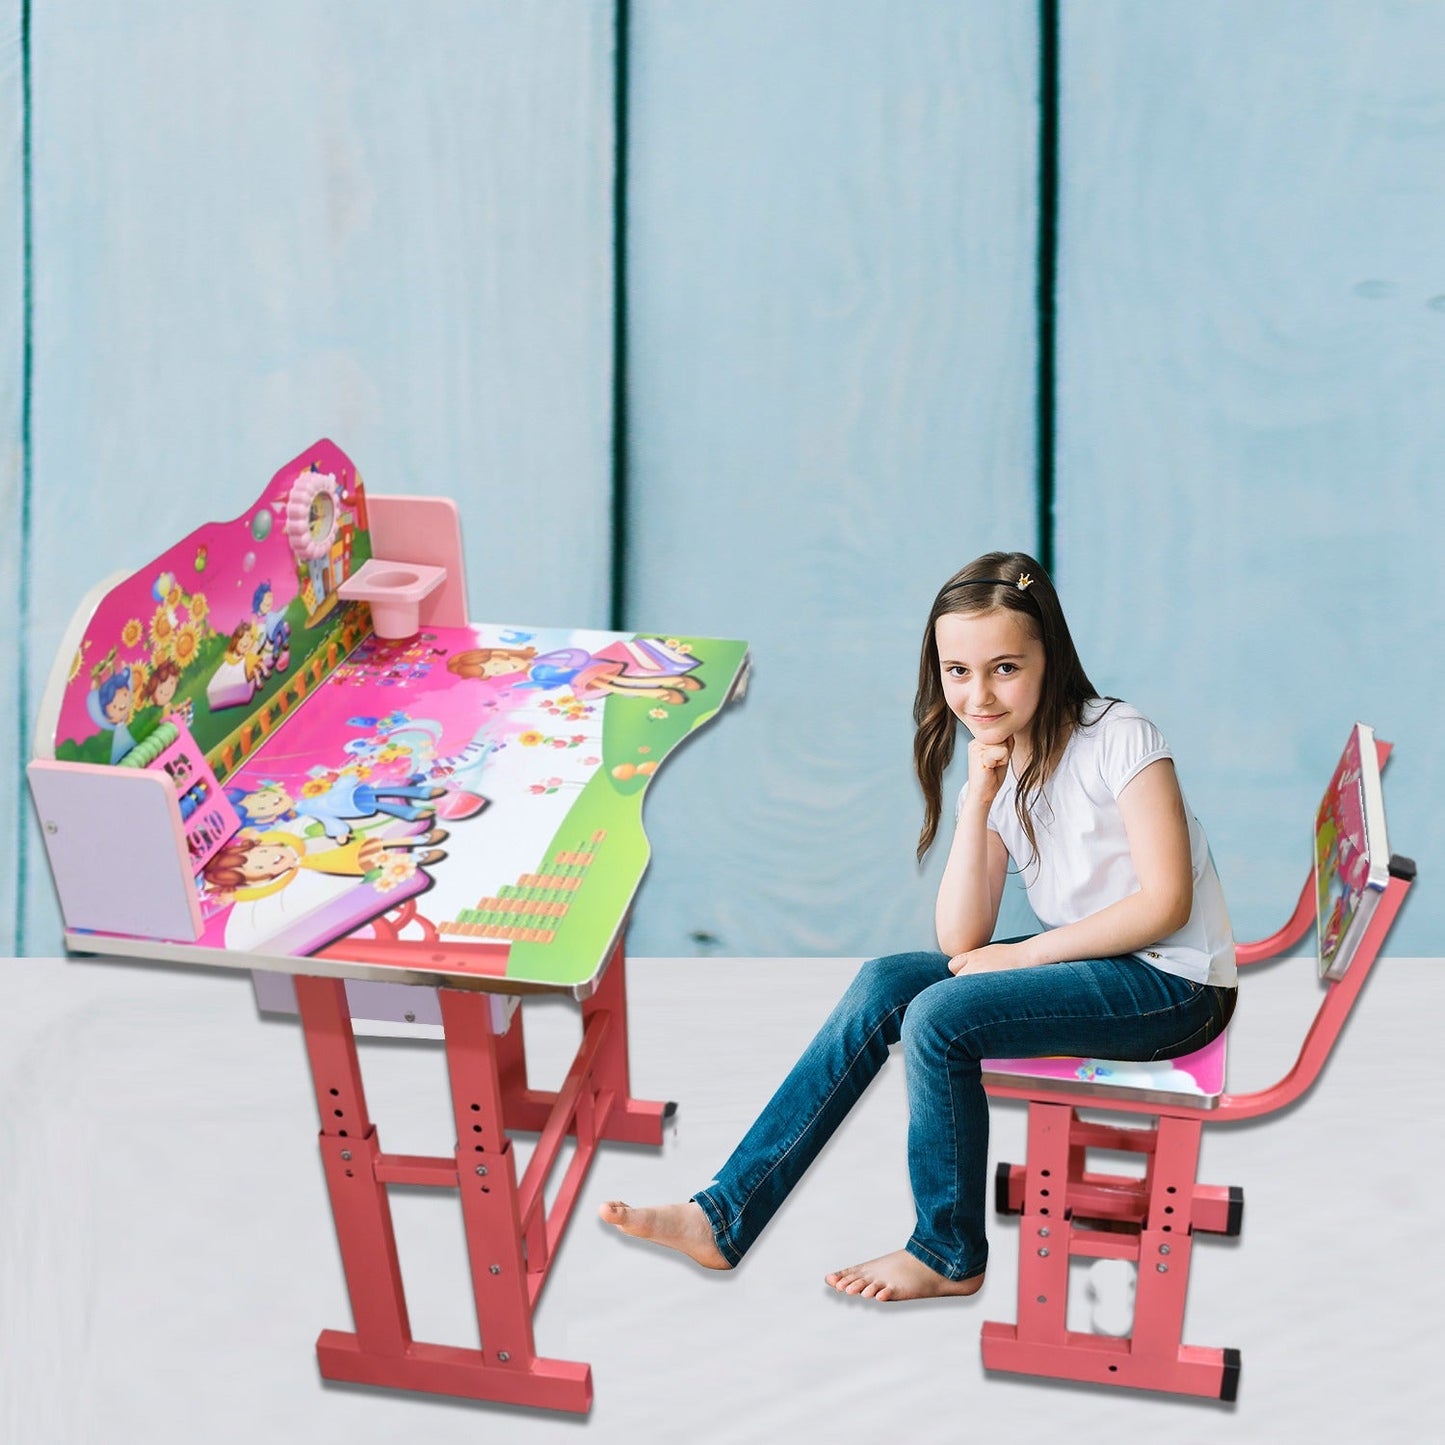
(899, 1276)
(683, 1227)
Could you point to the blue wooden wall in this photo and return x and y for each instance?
(1250, 509)
(253, 226)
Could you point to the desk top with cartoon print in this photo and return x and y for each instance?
(461, 805)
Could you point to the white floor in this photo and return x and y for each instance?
(167, 1258)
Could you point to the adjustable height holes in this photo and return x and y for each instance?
(479, 1148)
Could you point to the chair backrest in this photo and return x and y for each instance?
(1352, 853)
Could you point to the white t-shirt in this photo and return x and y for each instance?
(1084, 862)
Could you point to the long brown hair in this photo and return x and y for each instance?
(990, 584)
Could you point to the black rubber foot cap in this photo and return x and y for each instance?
(1229, 1385)
(1000, 1188)
(1235, 1221)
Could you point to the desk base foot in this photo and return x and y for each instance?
(1102, 1360)
(449, 1370)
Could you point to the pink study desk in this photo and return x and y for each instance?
(234, 767)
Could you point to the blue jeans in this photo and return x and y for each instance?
(1109, 1008)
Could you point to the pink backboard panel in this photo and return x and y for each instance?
(224, 623)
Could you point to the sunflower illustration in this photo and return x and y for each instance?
(185, 644)
(131, 633)
(200, 608)
(161, 627)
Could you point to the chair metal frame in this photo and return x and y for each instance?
(1066, 1211)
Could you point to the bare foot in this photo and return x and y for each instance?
(683, 1227)
(899, 1276)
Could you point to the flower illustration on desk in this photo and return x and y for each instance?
(131, 633)
(395, 870)
(552, 785)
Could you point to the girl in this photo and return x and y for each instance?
(1136, 960)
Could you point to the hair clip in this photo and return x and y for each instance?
(1025, 582)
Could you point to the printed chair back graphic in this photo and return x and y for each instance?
(1146, 1225)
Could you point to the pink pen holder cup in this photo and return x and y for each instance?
(394, 591)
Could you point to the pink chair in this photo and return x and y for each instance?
(1066, 1211)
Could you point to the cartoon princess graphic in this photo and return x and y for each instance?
(257, 864)
(643, 667)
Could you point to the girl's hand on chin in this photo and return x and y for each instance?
(988, 767)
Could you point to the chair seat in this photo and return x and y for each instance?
(1195, 1080)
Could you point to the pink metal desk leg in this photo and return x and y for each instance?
(634, 1121)
(629, 1120)
(487, 1178)
(382, 1351)
(349, 1150)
